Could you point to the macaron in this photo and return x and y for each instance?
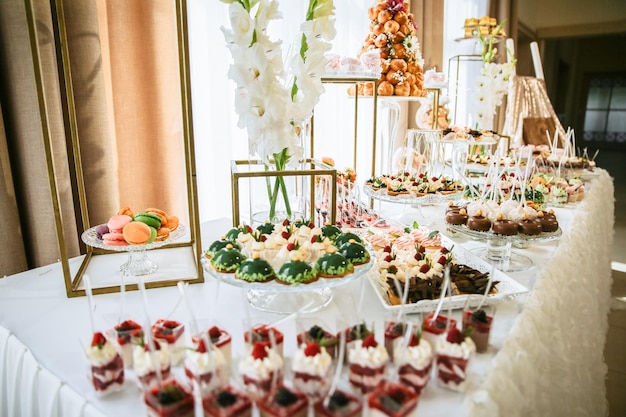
(114, 239)
(127, 211)
(150, 219)
(116, 223)
(162, 215)
(101, 230)
(137, 233)
(172, 223)
(162, 233)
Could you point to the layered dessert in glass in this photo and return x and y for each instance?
(171, 332)
(126, 333)
(283, 402)
(414, 362)
(367, 362)
(206, 369)
(169, 399)
(320, 336)
(312, 370)
(392, 400)
(261, 368)
(227, 402)
(261, 334)
(477, 323)
(220, 339)
(433, 330)
(146, 361)
(106, 365)
(340, 404)
(452, 358)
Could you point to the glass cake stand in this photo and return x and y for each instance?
(138, 262)
(498, 251)
(280, 298)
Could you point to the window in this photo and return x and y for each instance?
(605, 111)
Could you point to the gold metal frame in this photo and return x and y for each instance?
(72, 284)
(316, 168)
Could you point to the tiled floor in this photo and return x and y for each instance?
(615, 348)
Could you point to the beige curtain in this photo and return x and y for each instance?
(125, 79)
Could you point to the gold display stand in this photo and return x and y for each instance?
(74, 284)
(256, 169)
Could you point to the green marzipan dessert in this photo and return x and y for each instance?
(347, 237)
(219, 244)
(355, 253)
(296, 272)
(334, 265)
(227, 259)
(331, 231)
(255, 270)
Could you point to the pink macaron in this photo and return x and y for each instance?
(114, 239)
(116, 223)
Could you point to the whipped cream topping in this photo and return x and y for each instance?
(204, 363)
(419, 356)
(313, 365)
(261, 368)
(373, 357)
(142, 360)
(101, 356)
(456, 350)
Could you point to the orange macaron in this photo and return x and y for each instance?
(127, 211)
(162, 233)
(172, 223)
(138, 233)
(162, 215)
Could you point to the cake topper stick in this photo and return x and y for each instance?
(337, 376)
(90, 304)
(148, 333)
(444, 290)
(122, 298)
(484, 298)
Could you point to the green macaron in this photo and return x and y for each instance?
(150, 219)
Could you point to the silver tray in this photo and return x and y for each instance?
(507, 288)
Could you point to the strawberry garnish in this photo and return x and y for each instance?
(311, 225)
(290, 247)
(98, 340)
(285, 235)
(285, 222)
(263, 238)
(201, 347)
(442, 260)
(249, 229)
(444, 250)
(370, 341)
(312, 349)
(214, 333)
(455, 336)
(258, 351)
(157, 346)
(387, 249)
(424, 268)
(388, 258)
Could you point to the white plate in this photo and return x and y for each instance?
(507, 288)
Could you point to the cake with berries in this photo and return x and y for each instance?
(320, 336)
(340, 404)
(453, 353)
(220, 339)
(146, 362)
(392, 400)
(170, 399)
(227, 402)
(171, 332)
(393, 35)
(434, 329)
(284, 402)
(478, 325)
(312, 368)
(263, 334)
(261, 369)
(414, 362)
(126, 333)
(206, 368)
(367, 364)
(106, 365)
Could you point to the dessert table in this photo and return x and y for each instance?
(545, 355)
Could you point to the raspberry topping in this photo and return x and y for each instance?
(259, 351)
(388, 258)
(312, 349)
(442, 260)
(214, 333)
(370, 341)
(424, 268)
(455, 336)
(444, 250)
(98, 340)
(285, 235)
(387, 249)
(201, 347)
(285, 222)
(290, 247)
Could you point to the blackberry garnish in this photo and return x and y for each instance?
(226, 398)
(284, 397)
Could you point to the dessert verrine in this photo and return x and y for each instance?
(320, 336)
(263, 334)
(169, 399)
(367, 364)
(340, 404)
(414, 360)
(149, 362)
(477, 323)
(392, 400)
(106, 365)
(452, 358)
(220, 339)
(206, 368)
(227, 402)
(127, 333)
(312, 370)
(283, 402)
(434, 329)
(261, 369)
(171, 332)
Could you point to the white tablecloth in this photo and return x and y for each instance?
(545, 357)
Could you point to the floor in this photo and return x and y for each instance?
(615, 347)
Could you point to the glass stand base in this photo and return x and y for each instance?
(514, 262)
(138, 263)
(285, 303)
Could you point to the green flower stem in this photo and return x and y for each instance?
(280, 159)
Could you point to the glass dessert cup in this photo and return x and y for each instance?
(170, 399)
(414, 363)
(367, 365)
(452, 358)
(477, 322)
(311, 329)
(105, 365)
(283, 402)
(227, 402)
(126, 333)
(312, 371)
(220, 339)
(206, 370)
(171, 332)
(340, 404)
(433, 330)
(393, 400)
(260, 333)
(146, 363)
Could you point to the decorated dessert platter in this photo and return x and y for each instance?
(407, 188)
